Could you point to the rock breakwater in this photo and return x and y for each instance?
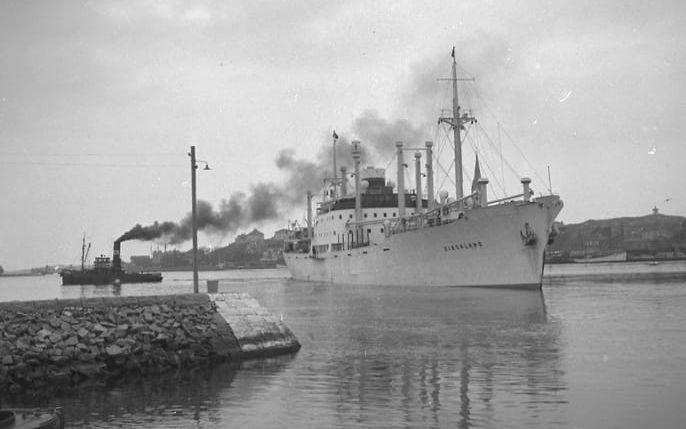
(69, 341)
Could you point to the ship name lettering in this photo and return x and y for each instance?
(463, 245)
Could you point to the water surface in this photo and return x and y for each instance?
(601, 346)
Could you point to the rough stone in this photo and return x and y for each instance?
(86, 357)
(59, 359)
(42, 342)
(162, 337)
(98, 328)
(114, 350)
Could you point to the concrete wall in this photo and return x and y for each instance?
(68, 341)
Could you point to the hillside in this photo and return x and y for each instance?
(641, 237)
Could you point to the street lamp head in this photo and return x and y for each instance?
(198, 161)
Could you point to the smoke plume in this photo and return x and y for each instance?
(381, 135)
(488, 54)
(150, 232)
(268, 201)
(238, 211)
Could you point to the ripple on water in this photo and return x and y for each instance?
(583, 353)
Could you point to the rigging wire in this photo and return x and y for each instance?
(493, 117)
(77, 154)
(474, 142)
(538, 176)
(483, 160)
(445, 171)
(490, 142)
(473, 90)
(83, 164)
(447, 176)
(487, 161)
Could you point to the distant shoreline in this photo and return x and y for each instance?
(25, 274)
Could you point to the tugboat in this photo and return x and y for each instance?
(105, 272)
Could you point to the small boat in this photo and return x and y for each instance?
(105, 272)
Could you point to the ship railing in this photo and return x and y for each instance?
(440, 215)
(505, 199)
(434, 217)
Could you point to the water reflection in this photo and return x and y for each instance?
(417, 357)
(90, 291)
(371, 357)
(430, 357)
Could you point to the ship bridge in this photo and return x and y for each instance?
(375, 193)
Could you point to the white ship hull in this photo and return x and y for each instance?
(485, 248)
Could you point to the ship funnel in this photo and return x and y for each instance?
(526, 189)
(116, 257)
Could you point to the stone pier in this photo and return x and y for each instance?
(69, 341)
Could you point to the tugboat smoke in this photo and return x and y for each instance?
(239, 210)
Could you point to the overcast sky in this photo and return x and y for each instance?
(100, 101)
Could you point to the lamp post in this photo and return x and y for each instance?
(194, 215)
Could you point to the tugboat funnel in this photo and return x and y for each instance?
(116, 257)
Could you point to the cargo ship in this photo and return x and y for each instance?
(378, 236)
(105, 272)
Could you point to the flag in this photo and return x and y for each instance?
(335, 136)
(477, 175)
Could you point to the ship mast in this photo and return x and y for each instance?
(457, 126)
(455, 123)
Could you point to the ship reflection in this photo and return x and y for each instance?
(90, 291)
(470, 357)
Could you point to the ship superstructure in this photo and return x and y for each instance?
(377, 236)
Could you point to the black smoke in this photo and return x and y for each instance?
(240, 210)
(267, 201)
(150, 232)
